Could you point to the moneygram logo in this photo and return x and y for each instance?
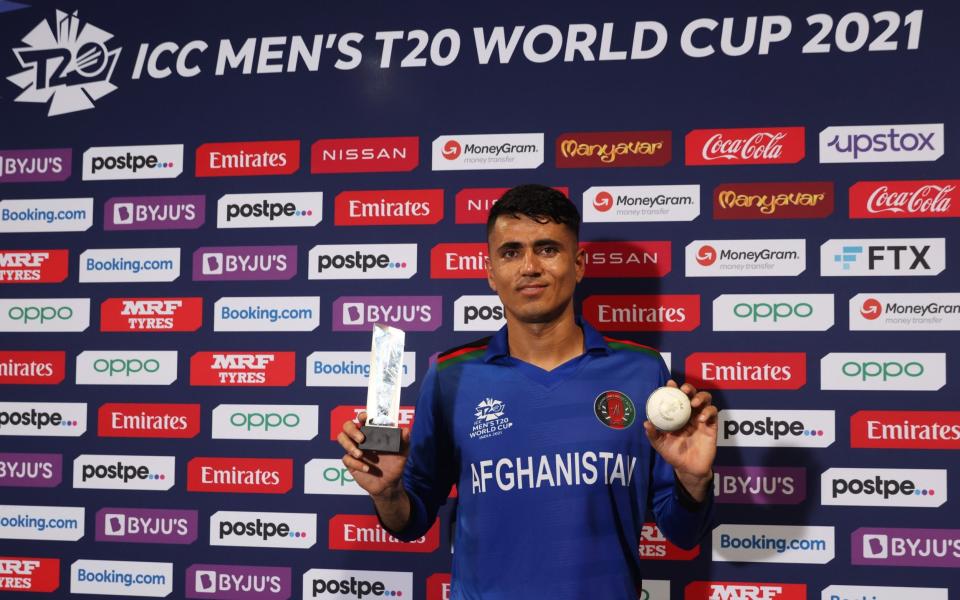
(29, 574)
(474, 204)
(410, 313)
(146, 525)
(329, 476)
(363, 532)
(134, 213)
(904, 199)
(232, 159)
(760, 485)
(46, 216)
(365, 155)
(265, 422)
(350, 369)
(297, 209)
(126, 367)
(44, 314)
(263, 529)
(908, 429)
(905, 312)
(240, 475)
(641, 203)
(68, 65)
(655, 546)
(341, 414)
(626, 259)
(747, 370)
(230, 582)
(50, 523)
(133, 162)
(883, 371)
(18, 469)
(747, 146)
(775, 544)
(151, 314)
(777, 428)
(61, 419)
(743, 590)
(458, 261)
(773, 312)
(388, 207)
(33, 266)
(871, 257)
(142, 420)
(655, 589)
(117, 472)
(129, 265)
(494, 151)
(882, 143)
(883, 487)
(795, 200)
(260, 313)
(478, 313)
(121, 578)
(35, 166)
(276, 369)
(676, 312)
(333, 584)
(874, 592)
(745, 258)
(614, 149)
(363, 261)
(244, 263)
(906, 547)
(32, 367)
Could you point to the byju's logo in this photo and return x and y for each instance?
(777, 428)
(116, 472)
(68, 65)
(760, 485)
(133, 162)
(244, 263)
(18, 469)
(773, 544)
(263, 529)
(128, 213)
(32, 166)
(883, 487)
(410, 313)
(911, 256)
(906, 547)
(921, 371)
(146, 525)
(335, 585)
(882, 143)
(233, 582)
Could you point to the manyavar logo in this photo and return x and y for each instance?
(59, 523)
(121, 578)
(363, 261)
(240, 475)
(143, 420)
(876, 592)
(938, 311)
(146, 525)
(47, 215)
(806, 544)
(777, 428)
(410, 313)
(118, 472)
(365, 155)
(265, 422)
(919, 488)
(670, 312)
(133, 162)
(745, 258)
(136, 213)
(231, 159)
(655, 546)
(293, 209)
(891, 256)
(336, 585)
(265, 313)
(129, 265)
(614, 149)
(350, 369)
(236, 368)
(36, 166)
(244, 263)
(474, 204)
(905, 429)
(928, 198)
(20, 469)
(747, 370)
(759, 485)
(744, 590)
(774, 200)
(32, 367)
(745, 146)
(626, 259)
(773, 312)
(61, 419)
(492, 151)
(29, 574)
(126, 367)
(345, 413)
(33, 266)
(883, 371)
(458, 261)
(478, 313)
(363, 532)
(151, 314)
(438, 587)
(607, 204)
(388, 207)
(263, 529)
(329, 476)
(882, 143)
(236, 582)
(887, 547)
(23, 315)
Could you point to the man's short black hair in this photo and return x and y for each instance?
(538, 202)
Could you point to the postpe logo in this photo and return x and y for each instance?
(62, 419)
(118, 472)
(133, 162)
(921, 488)
(333, 584)
(263, 529)
(777, 428)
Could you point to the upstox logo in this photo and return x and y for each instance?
(363, 261)
(126, 367)
(23, 315)
(883, 371)
(263, 529)
(777, 428)
(882, 143)
(265, 422)
(133, 162)
(920, 488)
(773, 544)
(332, 584)
(118, 472)
(63, 419)
(773, 312)
(873, 257)
(745, 258)
(121, 578)
(329, 476)
(296, 209)
(493, 151)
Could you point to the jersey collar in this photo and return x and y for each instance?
(593, 342)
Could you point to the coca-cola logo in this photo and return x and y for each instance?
(770, 145)
(903, 199)
(759, 145)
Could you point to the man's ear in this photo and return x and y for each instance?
(580, 260)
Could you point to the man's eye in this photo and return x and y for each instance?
(549, 250)
(509, 254)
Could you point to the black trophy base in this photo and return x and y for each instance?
(381, 439)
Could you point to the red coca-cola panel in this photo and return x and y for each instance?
(930, 198)
(745, 146)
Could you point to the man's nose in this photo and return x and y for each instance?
(531, 263)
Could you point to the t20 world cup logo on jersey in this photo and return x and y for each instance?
(68, 65)
(615, 409)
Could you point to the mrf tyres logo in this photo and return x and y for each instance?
(744, 590)
(777, 428)
(919, 488)
(29, 574)
(905, 312)
(263, 529)
(745, 258)
(66, 63)
(882, 143)
(242, 368)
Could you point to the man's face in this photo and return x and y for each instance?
(533, 267)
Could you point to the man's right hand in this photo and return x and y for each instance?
(378, 474)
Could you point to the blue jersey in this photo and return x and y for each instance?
(553, 470)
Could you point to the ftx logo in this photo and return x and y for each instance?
(909, 257)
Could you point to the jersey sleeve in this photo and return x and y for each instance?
(428, 474)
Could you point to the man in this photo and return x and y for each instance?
(537, 426)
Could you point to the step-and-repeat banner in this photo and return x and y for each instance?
(204, 207)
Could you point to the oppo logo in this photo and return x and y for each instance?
(119, 367)
(926, 371)
(264, 421)
(125, 367)
(775, 312)
(886, 370)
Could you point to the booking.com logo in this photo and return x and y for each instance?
(848, 255)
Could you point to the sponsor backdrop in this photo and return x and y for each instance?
(204, 207)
